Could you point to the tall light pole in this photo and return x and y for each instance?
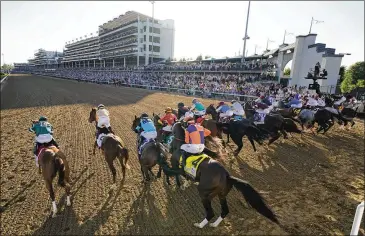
(153, 22)
(246, 36)
(285, 34)
(2, 54)
(315, 22)
(267, 43)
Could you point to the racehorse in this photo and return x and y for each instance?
(153, 153)
(215, 180)
(213, 124)
(112, 147)
(52, 160)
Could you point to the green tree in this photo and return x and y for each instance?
(7, 67)
(287, 71)
(354, 77)
(207, 56)
(199, 58)
(342, 74)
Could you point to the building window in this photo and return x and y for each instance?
(141, 40)
(144, 38)
(156, 48)
(144, 28)
(150, 29)
(149, 48)
(156, 39)
(144, 47)
(150, 38)
(156, 30)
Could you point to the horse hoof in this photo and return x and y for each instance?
(68, 201)
(198, 225)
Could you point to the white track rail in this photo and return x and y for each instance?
(357, 219)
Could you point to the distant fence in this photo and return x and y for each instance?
(3, 81)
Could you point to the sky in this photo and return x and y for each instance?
(208, 28)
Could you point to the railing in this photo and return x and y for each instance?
(357, 219)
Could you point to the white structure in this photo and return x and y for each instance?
(307, 53)
(46, 59)
(83, 53)
(127, 40)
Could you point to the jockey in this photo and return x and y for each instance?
(200, 109)
(181, 110)
(43, 131)
(194, 140)
(312, 102)
(224, 110)
(147, 131)
(295, 102)
(262, 110)
(237, 109)
(169, 118)
(103, 119)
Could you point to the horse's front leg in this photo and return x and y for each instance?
(95, 144)
(52, 196)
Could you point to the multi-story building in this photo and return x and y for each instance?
(84, 53)
(46, 59)
(124, 41)
(127, 40)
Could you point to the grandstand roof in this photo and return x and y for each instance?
(271, 52)
(289, 47)
(129, 16)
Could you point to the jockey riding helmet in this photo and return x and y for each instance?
(180, 104)
(168, 110)
(144, 115)
(101, 106)
(42, 118)
(195, 100)
(221, 103)
(233, 101)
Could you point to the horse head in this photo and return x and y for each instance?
(92, 116)
(135, 123)
(211, 111)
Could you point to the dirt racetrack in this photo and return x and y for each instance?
(314, 187)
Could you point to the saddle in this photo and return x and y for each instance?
(101, 139)
(192, 164)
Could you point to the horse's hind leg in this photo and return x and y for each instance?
(209, 213)
(112, 169)
(123, 166)
(52, 196)
(224, 211)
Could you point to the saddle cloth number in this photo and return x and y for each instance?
(192, 164)
(260, 117)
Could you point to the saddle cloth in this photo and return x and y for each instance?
(100, 138)
(192, 164)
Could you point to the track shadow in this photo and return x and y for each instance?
(39, 91)
(68, 222)
(15, 199)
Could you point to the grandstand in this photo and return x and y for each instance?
(84, 53)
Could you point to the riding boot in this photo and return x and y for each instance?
(55, 143)
(110, 130)
(184, 156)
(35, 149)
(210, 153)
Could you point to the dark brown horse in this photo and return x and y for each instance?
(112, 147)
(153, 153)
(214, 180)
(214, 123)
(51, 161)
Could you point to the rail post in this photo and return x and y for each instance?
(357, 219)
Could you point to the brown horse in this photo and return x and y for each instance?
(153, 153)
(214, 180)
(112, 147)
(51, 161)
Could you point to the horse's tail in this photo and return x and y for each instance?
(253, 198)
(162, 160)
(123, 152)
